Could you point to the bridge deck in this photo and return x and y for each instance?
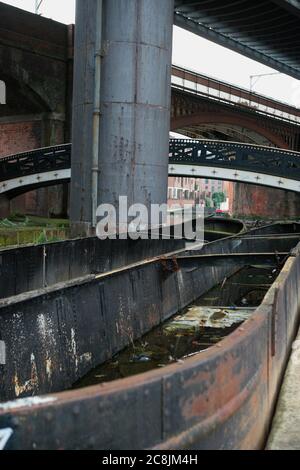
(247, 163)
(217, 90)
(264, 30)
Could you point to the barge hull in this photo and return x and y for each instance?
(31, 267)
(222, 399)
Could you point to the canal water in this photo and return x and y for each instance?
(201, 325)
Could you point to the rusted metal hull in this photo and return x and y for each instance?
(34, 267)
(220, 399)
(273, 238)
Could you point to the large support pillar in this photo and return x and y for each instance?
(133, 132)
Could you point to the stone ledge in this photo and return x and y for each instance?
(285, 433)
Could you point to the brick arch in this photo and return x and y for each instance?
(223, 118)
(23, 96)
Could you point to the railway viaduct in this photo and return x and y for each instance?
(36, 60)
(206, 108)
(36, 66)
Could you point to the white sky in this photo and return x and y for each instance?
(196, 53)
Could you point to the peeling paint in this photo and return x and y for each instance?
(87, 357)
(5, 435)
(26, 403)
(42, 325)
(2, 353)
(49, 368)
(73, 347)
(31, 384)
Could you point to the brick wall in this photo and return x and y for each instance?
(18, 137)
(257, 201)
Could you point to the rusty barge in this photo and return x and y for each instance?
(221, 398)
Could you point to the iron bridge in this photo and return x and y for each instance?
(231, 161)
(254, 164)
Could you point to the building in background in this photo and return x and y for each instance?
(183, 190)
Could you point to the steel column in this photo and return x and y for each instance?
(135, 104)
(83, 114)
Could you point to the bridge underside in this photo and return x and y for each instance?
(254, 164)
(224, 131)
(199, 117)
(264, 30)
(196, 118)
(17, 186)
(241, 176)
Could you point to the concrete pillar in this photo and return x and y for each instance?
(135, 93)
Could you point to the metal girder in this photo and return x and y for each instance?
(291, 5)
(53, 161)
(254, 158)
(38, 161)
(266, 30)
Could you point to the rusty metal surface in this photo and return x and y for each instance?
(132, 158)
(33, 267)
(227, 91)
(220, 399)
(54, 336)
(272, 237)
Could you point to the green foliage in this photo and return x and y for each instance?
(208, 203)
(218, 198)
(19, 229)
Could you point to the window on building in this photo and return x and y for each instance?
(2, 92)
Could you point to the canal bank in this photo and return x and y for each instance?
(285, 431)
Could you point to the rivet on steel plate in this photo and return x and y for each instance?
(168, 386)
(15, 422)
(101, 407)
(49, 417)
(92, 442)
(76, 410)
